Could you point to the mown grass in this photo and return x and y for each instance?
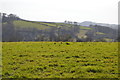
(60, 60)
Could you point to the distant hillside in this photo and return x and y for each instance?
(17, 29)
(88, 23)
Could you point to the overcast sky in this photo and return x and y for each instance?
(101, 11)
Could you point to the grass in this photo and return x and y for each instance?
(38, 25)
(60, 59)
(100, 33)
(85, 28)
(24, 24)
(82, 33)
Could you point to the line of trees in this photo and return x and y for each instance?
(71, 22)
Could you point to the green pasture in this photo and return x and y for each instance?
(60, 59)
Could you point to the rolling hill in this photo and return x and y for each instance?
(17, 29)
(88, 23)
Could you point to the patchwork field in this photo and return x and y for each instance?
(60, 60)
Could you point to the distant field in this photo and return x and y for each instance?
(24, 24)
(38, 25)
(60, 59)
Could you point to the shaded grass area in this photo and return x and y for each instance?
(82, 33)
(60, 60)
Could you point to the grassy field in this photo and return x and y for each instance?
(85, 28)
(24, 24)
(38, 25)
(60, 59)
